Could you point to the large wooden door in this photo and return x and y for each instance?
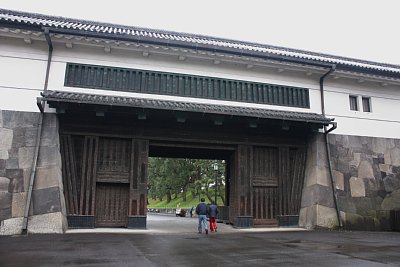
(112, 204)
(113, 173)
(278, 174)
(265, 185)
(105, 179)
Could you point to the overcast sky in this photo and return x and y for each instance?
(363, 29)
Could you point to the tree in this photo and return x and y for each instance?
(169, 176)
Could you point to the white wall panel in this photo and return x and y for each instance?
(23, 66)
(365, 127)
(19, 99)
(22, 73)
(202, 67)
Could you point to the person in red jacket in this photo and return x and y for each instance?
(212, 215)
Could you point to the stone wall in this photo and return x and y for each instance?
(317, 203)
(366, 174)
(18, 132)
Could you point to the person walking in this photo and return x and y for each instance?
(191, 211)
(201, 211)
(212, 216)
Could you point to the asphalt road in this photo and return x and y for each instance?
(171, 241)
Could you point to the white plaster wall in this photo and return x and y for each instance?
(24, 67)
(135, 60)
(383, 121)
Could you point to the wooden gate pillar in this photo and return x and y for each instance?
(241, 190)
(138, 184)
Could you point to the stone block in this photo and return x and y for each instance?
(25, 157)
(390, 143)
(13, 152)
(384, 168)
(392, 182)
(352, 220)
(343, 165)
(317, 175)
(15, 119)
(18, 137)
(355, 142)
(384, 220)
(49, 156)
(363, 205)
(12, 226)
(50, 120)
(322, 157)
(371, 187)
(346, 204)
(318, 216)
(4, 154)
(391, 201)
(4, 184)
(316, 154)
(339, 180)
(6, 138)
(379, 145)
(387, 158)
(46, 200)
(17, 180)
(395, 156)
(344, 141)
(30, 136)
(18, 204)
(307, 218)
(326, 217)
(395, 169)
(317, 194)
(357, 187)
(1, 118)
(50, 137)
(356, 160)
(2, 164)
(48, 177)
(5, 205)
(27, 177)
(365, 170)
(12, 163)
(51, 223)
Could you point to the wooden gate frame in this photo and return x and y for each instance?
(80, 188)
(243, 181)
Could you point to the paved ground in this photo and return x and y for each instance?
(174, 241)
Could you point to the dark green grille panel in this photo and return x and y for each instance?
(153, 82)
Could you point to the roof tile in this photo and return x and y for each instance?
(73, 97)
(108, 30)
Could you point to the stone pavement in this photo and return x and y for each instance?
(171, 241)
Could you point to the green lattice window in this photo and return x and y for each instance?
(154, 82)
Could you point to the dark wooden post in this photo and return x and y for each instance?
(138, 184)
(241, 198)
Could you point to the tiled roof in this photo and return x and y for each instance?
(119, 32)
(72, 97)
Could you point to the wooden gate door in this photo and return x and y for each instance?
(112, 205)
(265, 185)
(105, 180)
(112, 183)
(278, 174)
